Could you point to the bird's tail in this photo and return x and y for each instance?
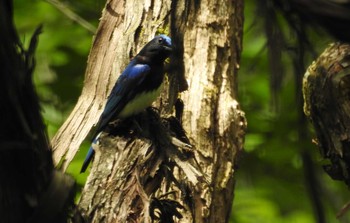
(89, 155)
(87, 160)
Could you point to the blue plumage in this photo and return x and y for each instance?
(136, 88)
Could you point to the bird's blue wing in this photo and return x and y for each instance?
(123, 91)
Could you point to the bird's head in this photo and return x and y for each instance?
(157, 50)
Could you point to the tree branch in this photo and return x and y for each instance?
(326, 87)
(72, 15)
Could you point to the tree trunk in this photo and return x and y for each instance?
(139, 176)
(212, 34)
(326, 102)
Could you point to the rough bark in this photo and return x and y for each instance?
(326, 87)
(212, 33)
(139, 176)
(30, 189)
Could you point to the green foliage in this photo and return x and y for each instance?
(271, 185)
(61, 59)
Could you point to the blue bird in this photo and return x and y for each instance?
(136, 88)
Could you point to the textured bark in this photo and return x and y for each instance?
(326, 102)
(212, 33)
(139, 176)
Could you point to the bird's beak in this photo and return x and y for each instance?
(168, 48)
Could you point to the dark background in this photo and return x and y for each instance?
(271, 186)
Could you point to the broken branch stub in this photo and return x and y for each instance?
(326, 93)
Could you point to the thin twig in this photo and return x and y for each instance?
(72, 15)
(343, 210)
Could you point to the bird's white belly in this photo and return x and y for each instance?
(139, 103)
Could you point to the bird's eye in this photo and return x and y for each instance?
(160, 40)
